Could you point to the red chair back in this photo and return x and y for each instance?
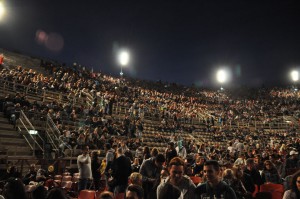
(255, 191)
(66, 178)
(276, 190)
(66, 185)
(57, 177)
(196, 179)
(87, 194)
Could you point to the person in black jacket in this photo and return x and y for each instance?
(214, 187)
(253, 172)
(121, 170)
(96, 170)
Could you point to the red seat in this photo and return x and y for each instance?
(57, 177)
(87, 194)
(196, 179)
(276, 190)
(66, 185)
(75, 178)
(66, 178)
(255, 191)
(66, 174)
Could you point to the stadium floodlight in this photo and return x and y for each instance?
(222, 76)
(123, 58)
(295, 75)
(2, 10)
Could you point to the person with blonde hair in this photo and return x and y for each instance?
(136, 178)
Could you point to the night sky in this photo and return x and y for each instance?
(175, 41)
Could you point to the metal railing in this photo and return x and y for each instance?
(30, 134)
(53, 135)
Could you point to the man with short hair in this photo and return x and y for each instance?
(214, 187)
(178, 179)
(253, 172)
(121, 170)
(84, 167)
(150, 170)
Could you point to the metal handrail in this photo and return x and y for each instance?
(25, 123)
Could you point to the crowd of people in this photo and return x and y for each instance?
(241, 156)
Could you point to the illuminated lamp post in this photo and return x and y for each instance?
(295, 78)
(123, 58)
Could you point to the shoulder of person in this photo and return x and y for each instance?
(201, 188)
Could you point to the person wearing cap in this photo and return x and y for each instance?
(292, 163)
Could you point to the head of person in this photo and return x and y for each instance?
(250, 164)
(136, 178)
(211, 171)
(56, 193)
(85, 150)
(268, 165)
(32, 168)
(106, 195)
(296, 183)
(176, 170)
(294, 154)
(228, 174)
(14, 188)
(120, 151)
(39, 193)
(134, 192)
(171, 145)
(159, 160)
(169, 191)
(154, 152)
(238, 172)
(107, 146)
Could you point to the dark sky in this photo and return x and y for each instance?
(175, 41)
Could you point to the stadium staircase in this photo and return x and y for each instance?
(13, 147)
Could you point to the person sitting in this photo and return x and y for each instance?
(169, 191)
(178, 179)
(270, 173)
(214, 187)
(136, 178)
(294, 192)
(31, 175)
(134, 192)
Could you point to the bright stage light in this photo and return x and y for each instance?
(124, 58)
(222, 76)
(2, 10)
(295, 75)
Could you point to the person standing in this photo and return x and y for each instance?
(150, 170)
(84, 167)
(121, 170)
(95, 170)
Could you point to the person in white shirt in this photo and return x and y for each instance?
(84, 167)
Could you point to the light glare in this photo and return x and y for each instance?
(295, 75)
(221, 76)
(124, 58)
(2, 10)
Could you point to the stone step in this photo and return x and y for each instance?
(14, 140)
(8, 132)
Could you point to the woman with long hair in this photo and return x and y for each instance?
(270, 173)
(294, 192)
